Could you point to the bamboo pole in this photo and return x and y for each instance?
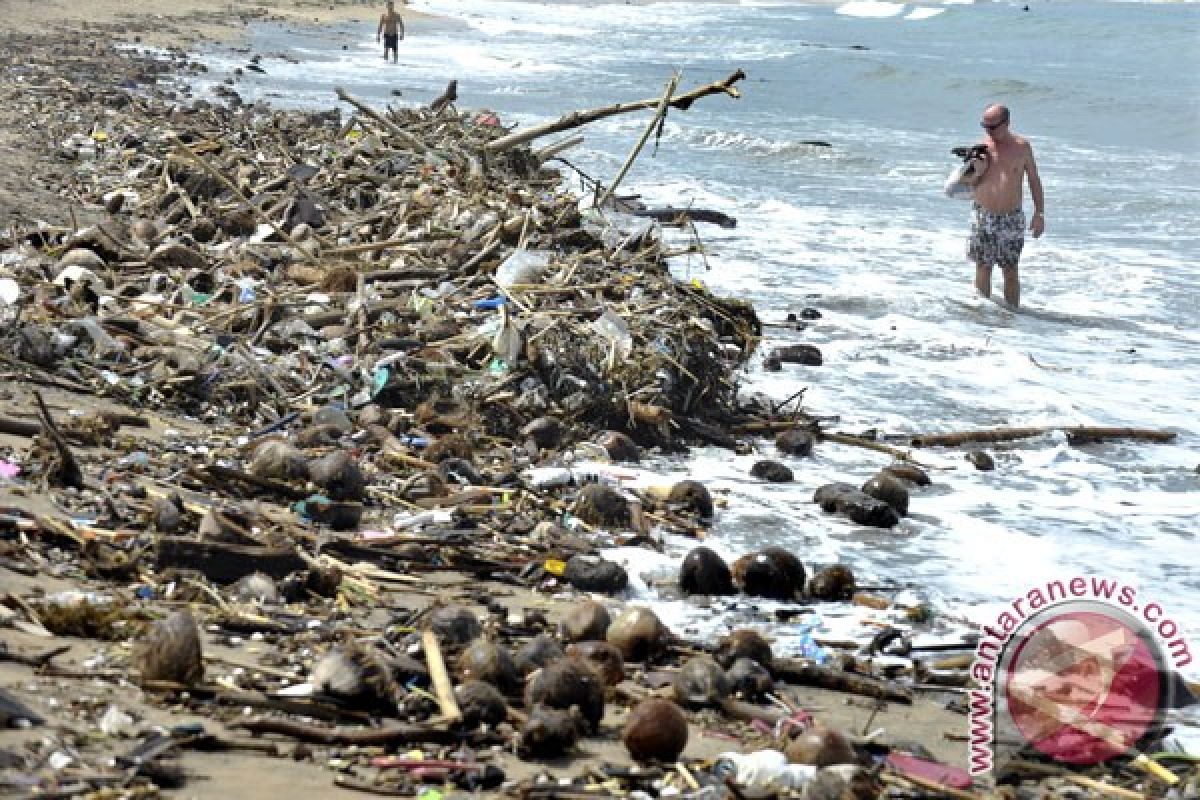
(659, 114)
(441, 679)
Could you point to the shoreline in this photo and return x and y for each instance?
(927, 722)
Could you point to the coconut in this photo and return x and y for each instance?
(171, 651)
(603, 506)
(537, 653)
(546, 432)
(358, 676)
(692, 496)
(749, 679)
(890, 489)
(744, 643)
(255, 588)
(455, 625)
(146, 231)
(602, 657)
(339, 475)
(908, 472)
(821, 747)
(81, 257)
(639, 634)
(773, 572)
(565, 683)
(166, 515)
(656, 731)
(832, 584)
(591, 573)
(278, 461)
(705, 572)
(324, 580)
(700, 683)
(481, 704)
(619, 446)
(772, 471)
(550, 732)
(982, 461)
(489, 662)
(585, 620)
(795, 442)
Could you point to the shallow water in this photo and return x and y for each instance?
(1109, 93)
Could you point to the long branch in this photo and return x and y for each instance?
(1075, 435)
(577, 118)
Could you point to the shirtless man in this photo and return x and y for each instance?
(391, 28)
(998, 223)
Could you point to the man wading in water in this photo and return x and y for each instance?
(391, 27)
(998, 223)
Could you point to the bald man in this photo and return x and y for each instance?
(391, 28)
(998, 221)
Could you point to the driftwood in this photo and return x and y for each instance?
(445, 98)
(802, 673)
(1075, 435)
(678, 216)
(225, 563)
(576, 119)
(364, 737)
(67, 471)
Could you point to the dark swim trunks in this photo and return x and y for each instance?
(391, 41)
(996, 238)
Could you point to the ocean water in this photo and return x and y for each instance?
(1109, 94)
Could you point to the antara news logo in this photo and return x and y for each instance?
(1079, 670)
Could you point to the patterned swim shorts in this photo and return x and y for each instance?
(996, 238)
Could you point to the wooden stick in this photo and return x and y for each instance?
(800, 673)
(641, 142)
(1075, 435)
(867, 444)
(576, 119)
(441, 679)
(366, 737)
(409, 140)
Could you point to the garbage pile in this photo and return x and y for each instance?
(322, 412)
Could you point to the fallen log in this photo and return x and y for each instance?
(802, 673)
(1075, 435)
(678, 216)
(577, 119)
(364, 737)
(225, 563)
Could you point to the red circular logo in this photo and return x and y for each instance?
(1083, 686)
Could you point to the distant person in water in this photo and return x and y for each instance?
(391, 28)
(998, 221)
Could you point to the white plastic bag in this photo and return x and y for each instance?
(523, 266)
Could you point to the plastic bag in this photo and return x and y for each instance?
(614, 329)
(764, 769)
(523, 266)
